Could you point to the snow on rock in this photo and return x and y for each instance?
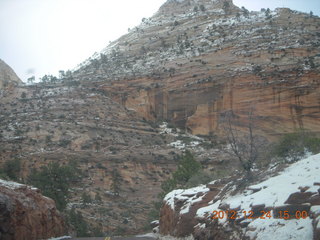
(280, 229)
(26, 214)
(190, 196)
(294, 189)
(11, 185)
(61, 238)
(276, 190)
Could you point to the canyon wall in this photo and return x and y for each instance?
(190, 66)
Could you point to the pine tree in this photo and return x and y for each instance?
(116, 182)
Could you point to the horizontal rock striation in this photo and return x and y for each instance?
(194, 60)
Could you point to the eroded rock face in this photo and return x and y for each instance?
(60, 123)
(7, 75)
(178, 216)
(27, 215)
(189, 66)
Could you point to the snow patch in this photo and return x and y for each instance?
(276, 190)
(270, 229)
(11, 185)
(189, 195)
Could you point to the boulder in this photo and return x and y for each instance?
(299, 197)
(26, 214)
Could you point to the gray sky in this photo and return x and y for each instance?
(44, 36)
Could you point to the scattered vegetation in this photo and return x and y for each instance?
(11, 170)
(55, 181)
(116, 182)
(245, 147)
(76, 219)
(187, 167)
(294, 146)
(86, 198)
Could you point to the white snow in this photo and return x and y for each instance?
(276, 190)
(189, 195)
(315, 210)
(208, 209)
(272, 192)
(164, 129)
(11, 185)
(60, 238)
(178, 144)
(271, 229)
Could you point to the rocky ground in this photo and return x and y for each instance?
(188, 65)
(277, 205)
(61, 123)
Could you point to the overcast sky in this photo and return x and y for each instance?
(40, 37)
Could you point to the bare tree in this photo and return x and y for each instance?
(244, 145)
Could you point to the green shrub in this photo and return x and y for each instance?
(187, 168)
(313, 144)
(293, 146)
(11, 170)
(79, 224)
(199, 178)
(54, 181)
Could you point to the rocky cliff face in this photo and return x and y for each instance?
(284, 206)
(194, 60)
(8, 76)
(60, 123)
(81, 123)
(188, 64)
(26, 214)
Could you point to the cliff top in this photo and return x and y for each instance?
(7, 75)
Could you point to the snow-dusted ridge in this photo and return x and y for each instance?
(295, 182)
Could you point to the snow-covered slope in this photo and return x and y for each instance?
(285, 206)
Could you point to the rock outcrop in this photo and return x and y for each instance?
(62, 123)
(8, 76)
(285, 206)
(27, 215)
(188, 64)
(194, 60)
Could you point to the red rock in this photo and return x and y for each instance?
(181, 225)
(26, 214)
(299, 197)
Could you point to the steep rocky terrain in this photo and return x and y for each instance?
(79, 123)
(60, 124)
(7, 75)
(26, 214)
(281, 205)
(194, 60)
(187, 65)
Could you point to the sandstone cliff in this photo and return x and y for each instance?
(27, 215)
(194, 60)
(188, 64)
(75, 122)
(284, 206)
(7, 75)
